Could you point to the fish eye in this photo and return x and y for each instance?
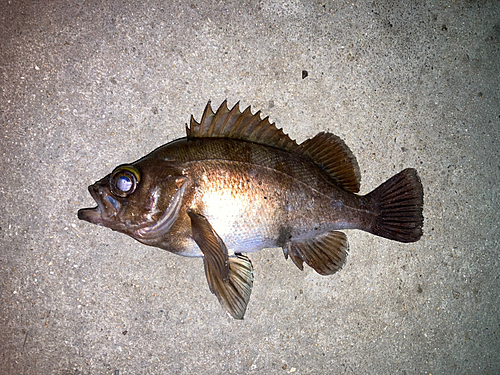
(124, 181)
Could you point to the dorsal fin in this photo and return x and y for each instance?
(226, 123)
(335, 158)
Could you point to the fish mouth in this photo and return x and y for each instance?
(106, 211)
(93, 214)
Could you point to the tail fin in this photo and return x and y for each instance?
(399, 201)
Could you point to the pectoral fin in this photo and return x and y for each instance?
(229, 278)
(326, 253)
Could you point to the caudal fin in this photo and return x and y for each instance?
(399, 201)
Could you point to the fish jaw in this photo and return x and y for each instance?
(107, 208)
(92, 215)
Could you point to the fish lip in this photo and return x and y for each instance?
(101, 215)
(92, 214)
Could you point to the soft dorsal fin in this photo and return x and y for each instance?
(335, 158)
(232, 123)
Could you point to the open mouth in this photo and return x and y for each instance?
(92, 215)
(107, 211)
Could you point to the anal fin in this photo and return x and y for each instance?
(325, 253)
(229, 278)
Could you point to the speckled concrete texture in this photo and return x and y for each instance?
(88, 85)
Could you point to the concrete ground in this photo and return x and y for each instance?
(86, 86)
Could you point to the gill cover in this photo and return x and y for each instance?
(162, 226)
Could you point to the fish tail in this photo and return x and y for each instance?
(399, 202)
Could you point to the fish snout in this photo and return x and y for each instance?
(107, 206)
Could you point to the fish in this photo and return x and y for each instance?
(236, 184)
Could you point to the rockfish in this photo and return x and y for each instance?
(237, 184)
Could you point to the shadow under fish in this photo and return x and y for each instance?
(236, 184)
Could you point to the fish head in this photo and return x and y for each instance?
(141, 199)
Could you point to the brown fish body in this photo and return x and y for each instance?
(254, 196)
(236, 184)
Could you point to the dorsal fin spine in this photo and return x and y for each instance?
(230, 115)
(221, 111)
(206, 114)
(245, 121)
(239, 119)
(257, 131)
(192, 122)
(255, 120)
(263, 132)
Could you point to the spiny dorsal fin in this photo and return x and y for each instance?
(232, 123)
(335, 158)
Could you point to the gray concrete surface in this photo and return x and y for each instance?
(86, 86)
